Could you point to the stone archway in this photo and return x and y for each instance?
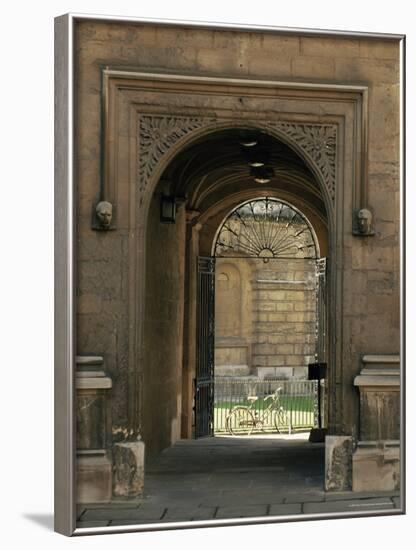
(168, 110)
(330, 146)
(201, 226)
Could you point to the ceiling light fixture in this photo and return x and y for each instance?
(262, 174)
(248, 143)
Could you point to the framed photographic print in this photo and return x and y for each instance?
(228, 274)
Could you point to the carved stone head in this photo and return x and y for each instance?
(364, 219)
(104, 211)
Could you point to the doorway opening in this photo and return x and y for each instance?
(214, 208)
(269, 319)
(235, 295)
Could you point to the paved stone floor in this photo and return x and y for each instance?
(234, 477)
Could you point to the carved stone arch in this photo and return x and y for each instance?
(158, 143)
(288, 111)
(161, 138)
(316, 144)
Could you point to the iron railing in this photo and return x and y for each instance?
(299, 399)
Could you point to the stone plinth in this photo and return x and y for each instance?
(376, 467)
(94, 464)
(379, 387)
(128, 477)
(376, 461)
(338, 465)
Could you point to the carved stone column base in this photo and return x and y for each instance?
(379, 387)
(94, 464)
(128, 469)
(338, 466)
(376, 466)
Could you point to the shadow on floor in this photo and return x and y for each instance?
(44, 520)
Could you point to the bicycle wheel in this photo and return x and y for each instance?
(281, 421)
(240, 421)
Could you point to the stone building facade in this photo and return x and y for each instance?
(160, 111)
(265, 317)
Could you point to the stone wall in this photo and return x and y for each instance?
(284, 308)
(233, 316)
(163, 331)
(370, 317)
(102, 322)
(265, 317)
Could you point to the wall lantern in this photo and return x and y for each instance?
(167, 209)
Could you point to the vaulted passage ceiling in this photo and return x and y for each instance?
(227, 163)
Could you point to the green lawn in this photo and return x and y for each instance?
(300, 410)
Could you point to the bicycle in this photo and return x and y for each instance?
(243, 419)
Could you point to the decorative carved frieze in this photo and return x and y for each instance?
(318, 141)
(158, 133)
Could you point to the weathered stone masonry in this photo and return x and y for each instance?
(115, 269)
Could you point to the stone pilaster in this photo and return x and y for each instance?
(94, 463)
(128, 478)
(376, 461)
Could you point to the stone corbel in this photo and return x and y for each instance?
(102, 216)
(363, 222)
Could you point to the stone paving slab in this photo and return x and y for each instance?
(120, 522)
(189, 514)
(353, 495)
(285, 509)
(190, 496)
(357, 505)
(251, 471)
(254, 499)
(144, 512)
(280, 486)
(241, 511)
(304, 497)
(252, 496)
(115, 504)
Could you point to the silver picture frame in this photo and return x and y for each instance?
(65, 272)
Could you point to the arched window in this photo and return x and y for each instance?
(266, 228)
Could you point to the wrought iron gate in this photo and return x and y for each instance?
(205, 342)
